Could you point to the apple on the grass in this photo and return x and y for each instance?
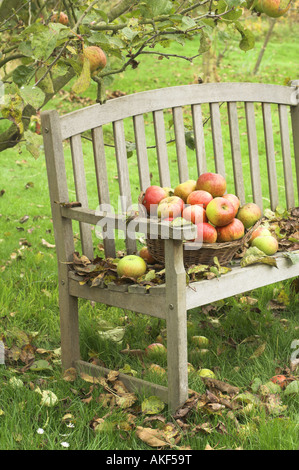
(220, 211)
(155, 349)
(249, 214)
(170, 207)
(213, 183)
(234, 200)
(146, 255)
(152, 196)
(267, 244)
(200, 341)
(184, 189)
(199, 197)
(206, 233)
(230, 232)
(195, 214)
(131, 266)
(260, 232)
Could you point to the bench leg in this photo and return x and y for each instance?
(176, 323)
(69, 327)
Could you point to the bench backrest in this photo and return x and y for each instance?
(214, 117)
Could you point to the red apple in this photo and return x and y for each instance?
(275, 8)
(155, 349)
(152, 196)
(260, 232)
(195, 214)
(146, 255)
(214, 183)
(131, 266)
(170, 207)
(206, 233)
(249, 214)
(220, 211)
(199, 197)
(63, 18)
(232, 231)
(184, 189)
(234, 200)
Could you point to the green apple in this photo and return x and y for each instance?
(268, 244)
(131, 266)
(249, 214)
(200, 341)
(184, 189)
(206, 373)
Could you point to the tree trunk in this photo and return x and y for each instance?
(261, 54)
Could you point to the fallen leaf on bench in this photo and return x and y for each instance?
(293, 256)
(253, 255)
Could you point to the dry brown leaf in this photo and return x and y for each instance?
(152, 437)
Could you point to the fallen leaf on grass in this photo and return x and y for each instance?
(152, 405)
(259, 351)
(48, 245)
(153, 437)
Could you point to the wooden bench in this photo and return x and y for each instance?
(175, 299)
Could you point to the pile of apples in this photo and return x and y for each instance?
(217, 214)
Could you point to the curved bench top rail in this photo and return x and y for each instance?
(123, 107)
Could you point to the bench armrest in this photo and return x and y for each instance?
(151, 227)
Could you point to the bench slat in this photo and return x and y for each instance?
(217, 138)
(199, 139)
(236, 150)
(102, 181)
(141, 150)
(162, 155)
(81, 192)
(154, 100)
(270, 152)
(123, 175)
(286, 155)
(180, 141)
(253, 155)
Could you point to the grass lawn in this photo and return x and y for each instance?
(250, 336)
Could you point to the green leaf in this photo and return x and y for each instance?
(253, 255)
(152, 8)
(187, 23)
(21, 74)
(152, 405)
(46, 84)
(292, 388)
(248, 40)
(83, 81)
(32, 95)
(293, 256)
(34, 143)
(40, 365)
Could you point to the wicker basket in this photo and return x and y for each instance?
(206, 253)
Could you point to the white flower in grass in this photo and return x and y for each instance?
(40, 431)
(65, 444)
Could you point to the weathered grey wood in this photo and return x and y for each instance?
(253, 155)
(154, 100)
(102, 184)
(270, 152)
(81, 192)
(130, 301)
(179, 130)
(64, 239)
(240, 280)
(199, 139)
(133, 384)
(217, 138)
(236, 150)
(118, 221)
(286, 155)
(161, 147)
(176, 324)
(295, 128)
(123, 176)
(141, 150)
